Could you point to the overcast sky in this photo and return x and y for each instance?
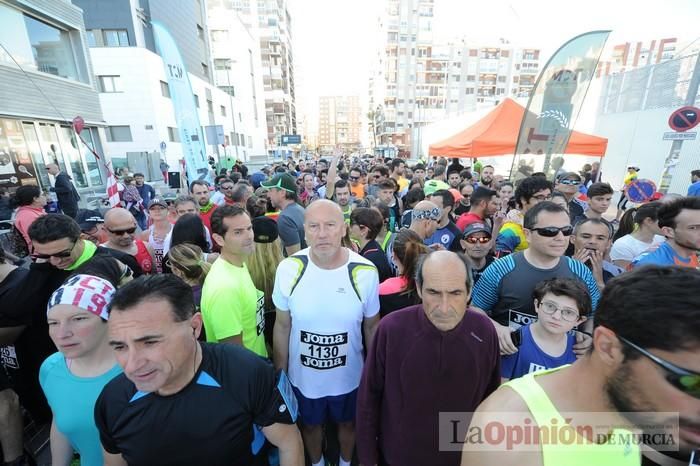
(333, 39)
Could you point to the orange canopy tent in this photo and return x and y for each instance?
(497, 134)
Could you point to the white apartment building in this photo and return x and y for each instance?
(270, 23)
(141, 126)
(417, 81)
(238, 72)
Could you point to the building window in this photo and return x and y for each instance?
(148, 127)
(118, 134)
(210, 106)
(200, 32)
(469, 91)
(205, 70)
(110, 84)
(51, 48)
(229, 90)
(196, 100)
(165, 89)
(91, 38)
(223, 110)
(471, 77)
(173, 134)
(222, 64)
(219, 35)
(116, 38)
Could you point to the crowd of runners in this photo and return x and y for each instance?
(355, 310)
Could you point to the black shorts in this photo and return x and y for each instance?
(5, 381)
(622, 203)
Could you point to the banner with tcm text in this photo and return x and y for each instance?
(191, 137)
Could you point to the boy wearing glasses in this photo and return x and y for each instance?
(561, 304)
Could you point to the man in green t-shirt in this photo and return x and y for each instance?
(232, 308)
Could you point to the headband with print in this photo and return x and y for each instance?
(87, 292)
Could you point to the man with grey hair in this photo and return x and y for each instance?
(327, 299)
(435, 357)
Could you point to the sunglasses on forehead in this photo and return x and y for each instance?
(551, 232)
(128, 231)
(570, 182)
(684, 380)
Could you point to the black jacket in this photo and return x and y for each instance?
(66, 193)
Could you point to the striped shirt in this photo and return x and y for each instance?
(505, 289)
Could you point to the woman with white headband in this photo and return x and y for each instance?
(73, 378)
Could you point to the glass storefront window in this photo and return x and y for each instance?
(32, 141)
(52, 49)
(71, 148)
(94, 173)
(50, 146)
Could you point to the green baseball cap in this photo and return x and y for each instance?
(434, 185)
(283, 181)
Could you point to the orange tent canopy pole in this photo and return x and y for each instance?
(496, 134)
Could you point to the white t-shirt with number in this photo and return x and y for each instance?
(327, 309)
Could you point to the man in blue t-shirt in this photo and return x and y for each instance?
(561, 304)
(447, 233)
(679, 221)
(694, 189)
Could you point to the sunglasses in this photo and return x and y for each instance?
(480, 240)
(128, 231)
(570, 182)
(354, 178)
(551, 232)
(61, 254)
(684, 380)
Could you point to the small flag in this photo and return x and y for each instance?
(112, 189)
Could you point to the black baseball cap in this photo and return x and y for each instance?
(476, 227)
(89, 219)
(264, 230)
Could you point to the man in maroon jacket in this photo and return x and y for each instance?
(436, 357)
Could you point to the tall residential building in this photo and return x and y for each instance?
(134, 92)
(417, 80)
(339, 122)
(270, 22)
(46, 80)
(631, 55)
(238, 72)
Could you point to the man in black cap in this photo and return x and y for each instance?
(282, 192)
(91, 225)
(477, 244)
(568, 184)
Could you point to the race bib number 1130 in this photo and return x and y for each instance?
(323, 351)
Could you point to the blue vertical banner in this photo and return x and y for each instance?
(557, 98)
(191, 137)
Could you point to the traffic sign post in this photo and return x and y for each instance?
(288, 139)
(689, 136)
(684, 118)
